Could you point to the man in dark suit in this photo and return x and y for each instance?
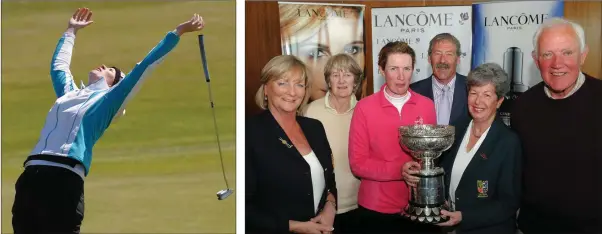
(445, 86)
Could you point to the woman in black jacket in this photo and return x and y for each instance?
(289, 174)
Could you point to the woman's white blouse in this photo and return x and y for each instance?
(317, 177)
(462, 160)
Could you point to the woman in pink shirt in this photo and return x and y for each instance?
(375, 155)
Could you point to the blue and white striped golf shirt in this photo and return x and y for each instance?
(79, 117)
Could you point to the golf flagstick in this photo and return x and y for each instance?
(222, 194)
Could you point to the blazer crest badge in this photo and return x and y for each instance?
(482, 188)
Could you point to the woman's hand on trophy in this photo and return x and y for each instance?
(454, 218)
(408, 170)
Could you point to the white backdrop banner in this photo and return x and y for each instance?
(417, 26)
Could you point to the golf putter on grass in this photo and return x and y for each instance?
(224, 193)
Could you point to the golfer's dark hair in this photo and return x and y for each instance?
(117, 75)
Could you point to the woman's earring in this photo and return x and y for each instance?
(265, 101)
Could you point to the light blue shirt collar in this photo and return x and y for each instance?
(437, 86)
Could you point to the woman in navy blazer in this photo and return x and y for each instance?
(289, 175)
(483, 167)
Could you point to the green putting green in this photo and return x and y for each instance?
(157, 169)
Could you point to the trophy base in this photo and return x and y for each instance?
(429, 214)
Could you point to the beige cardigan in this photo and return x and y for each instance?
(337, 132)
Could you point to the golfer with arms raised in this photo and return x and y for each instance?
(50, 192)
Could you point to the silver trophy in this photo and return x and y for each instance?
(426, 142)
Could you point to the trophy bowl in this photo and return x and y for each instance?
(425, 143)
(426, 140)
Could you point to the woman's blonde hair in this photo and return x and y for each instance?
(343, 62)
(275, 69)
